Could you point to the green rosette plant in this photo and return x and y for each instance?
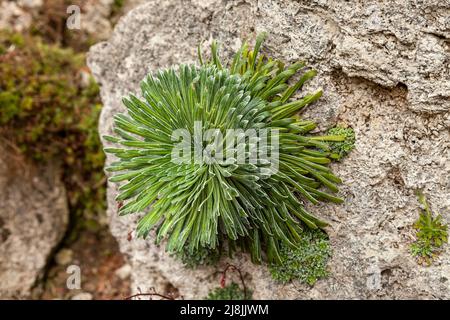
(431, 233)
(205, 205)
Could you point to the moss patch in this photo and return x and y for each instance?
(229, 292)
(306, 264)
(341, 148)
(202, 256)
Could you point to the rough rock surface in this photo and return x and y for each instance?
(96, 15)
(14, 16)
(33, 220)
(96, 18)
(384, 68)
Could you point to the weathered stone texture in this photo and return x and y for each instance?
(33, 220)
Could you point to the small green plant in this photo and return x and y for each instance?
(117, 6)
(229, 292)
(431, 234)
(307, 263)
(341, 148)
(203, 256)
(197, 204)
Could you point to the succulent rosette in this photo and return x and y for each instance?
(212, 193)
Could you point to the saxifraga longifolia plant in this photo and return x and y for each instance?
(207, 205)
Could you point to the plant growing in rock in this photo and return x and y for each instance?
(200, 201)
(431, 233)
(307, 263)
(229, 292)
(341, 148)
(202, 256)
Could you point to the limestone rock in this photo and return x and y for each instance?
(83, 296)
(124, 271)
(33, 220)
(13, 16)
(384, 70)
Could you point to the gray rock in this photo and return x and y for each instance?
(13, 16)
(30, 3)
(33, 220)
(124, 271)
(384, 70)
(95, 18)
(82, 296)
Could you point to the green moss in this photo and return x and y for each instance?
(431, 234)
(48, 113)
(342, 148)
(118, 4)
(14, 40)
(203, 256)
(308, 263)
(18, 40)
(229, 292)
(116, 9)
(9, 102)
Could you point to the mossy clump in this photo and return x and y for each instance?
(202, 256)
(306, 264)
(431, 234)
(229, 292)
(48, 110)
(117, 6)
(341, 148)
